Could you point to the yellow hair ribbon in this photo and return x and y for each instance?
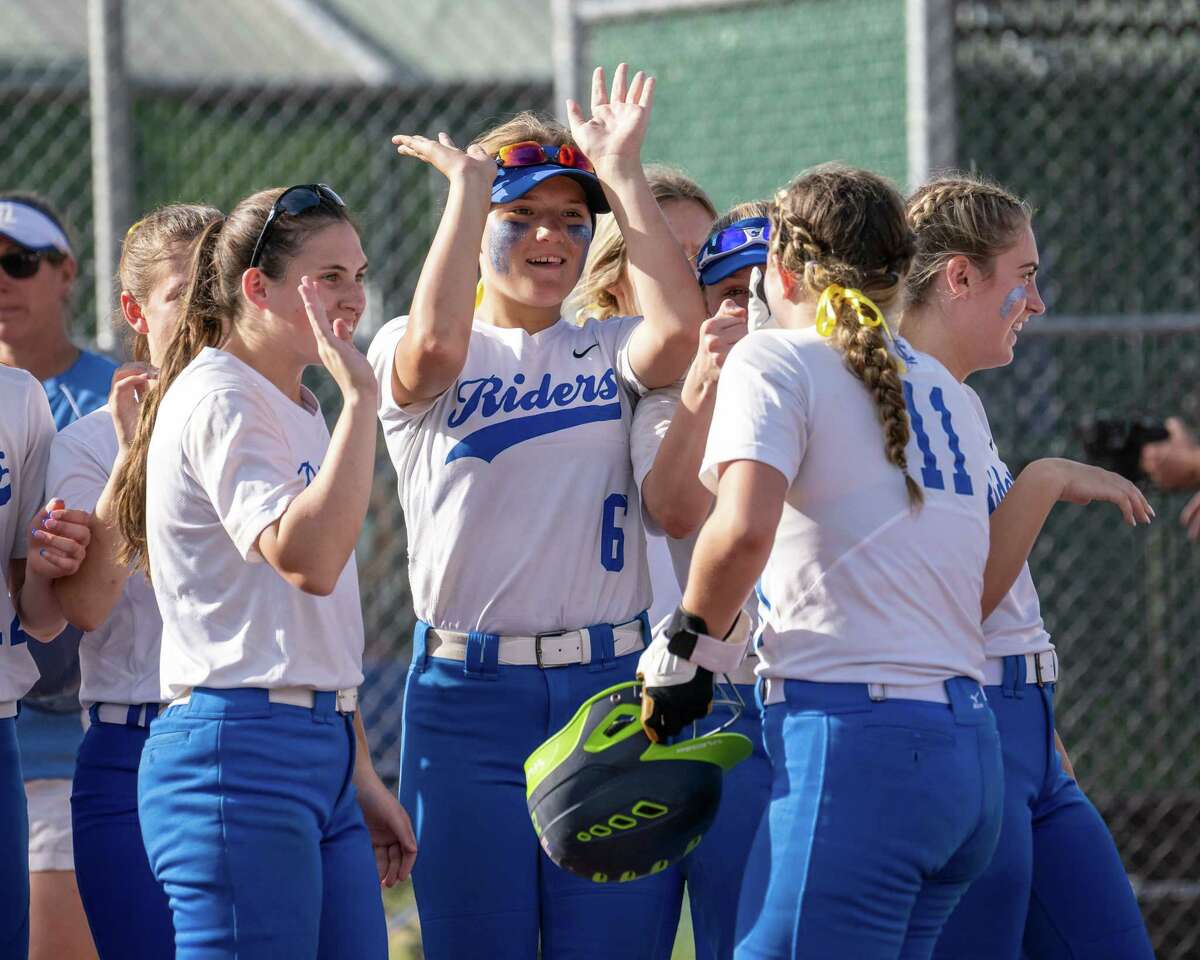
(869, 315)
(133, 226)
(478, 293)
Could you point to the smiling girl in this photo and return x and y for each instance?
(1055, 886)
(255, 781)
(508, 426)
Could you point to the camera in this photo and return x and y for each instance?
(1115, 443)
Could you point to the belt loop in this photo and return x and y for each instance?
(876, 692)
(483, 656)
(94, 713)
(647, 629)
(603, 647)
(151, 713)
(420, 654)
(131, 715)
(1012, 680)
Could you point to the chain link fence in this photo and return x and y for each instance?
(224, 98)
(1090, 109)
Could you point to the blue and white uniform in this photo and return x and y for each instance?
(714, 871)
(50, 727)
(1055, 887)
(523, 519)
(26, 431)
(887, 783)
(248, 811)
(126, 907)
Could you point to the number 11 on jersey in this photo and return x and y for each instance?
(931, 476)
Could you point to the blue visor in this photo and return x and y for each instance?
(741, 244)
(512, 183)
(717, 270)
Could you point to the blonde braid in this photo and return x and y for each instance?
(960, 215)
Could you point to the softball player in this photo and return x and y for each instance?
(119, 651)
(666, 444)
(38, 292)
(887, 772)
(27, 609)
(509, 430)
(247, 512)
(1055, 886)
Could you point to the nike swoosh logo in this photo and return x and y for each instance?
(489, 442)
(579, 356)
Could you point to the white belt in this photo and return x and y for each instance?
(8, 708)
(118, 713)
(541, 650)
(346, 700)
(1040, 668)
(934, 692)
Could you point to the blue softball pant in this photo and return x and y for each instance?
(14, 848)
(126, 907)
(1056, 888)
(881, 814)
(252, 826)
(484, 887)
(714, 870)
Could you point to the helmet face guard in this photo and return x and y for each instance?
(611, 806)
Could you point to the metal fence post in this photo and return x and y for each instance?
(929, 45)
(112, 171)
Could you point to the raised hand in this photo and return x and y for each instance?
(58, 540)
(1082, 483)
(472, 165)
(335, 344)
(613, 137)
(130, 385)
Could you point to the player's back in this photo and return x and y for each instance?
(862, 586)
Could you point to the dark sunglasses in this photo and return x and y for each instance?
(23, 264)
(294, 200)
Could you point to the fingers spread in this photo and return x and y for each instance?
(647, 93)
(445, 141)
(575, 114)
(635, 87)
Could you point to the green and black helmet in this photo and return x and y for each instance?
(611, 806)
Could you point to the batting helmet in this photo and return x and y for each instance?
(611, 806)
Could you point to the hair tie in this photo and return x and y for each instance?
(869, 315)
(133, 226)
(479, 293)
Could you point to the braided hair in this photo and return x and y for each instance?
(837, 225)
(960, 215)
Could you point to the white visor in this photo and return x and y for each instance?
(31, 228)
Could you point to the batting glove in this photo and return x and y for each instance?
(677, 671)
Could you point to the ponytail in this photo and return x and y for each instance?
(201, 325)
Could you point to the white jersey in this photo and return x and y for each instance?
(669, 558)
(228, 455)
(118, 661)
(516, 485)
(1015, 626)
(860, 587)
(26, 432)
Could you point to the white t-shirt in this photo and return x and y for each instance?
(1015, 626)
(860, 588)
(516, 484)
(118, 662)
(228, 455)
(26, 431)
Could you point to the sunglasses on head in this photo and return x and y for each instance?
(529, 153)
(745, 233)
(23, 264)
(294, 200)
